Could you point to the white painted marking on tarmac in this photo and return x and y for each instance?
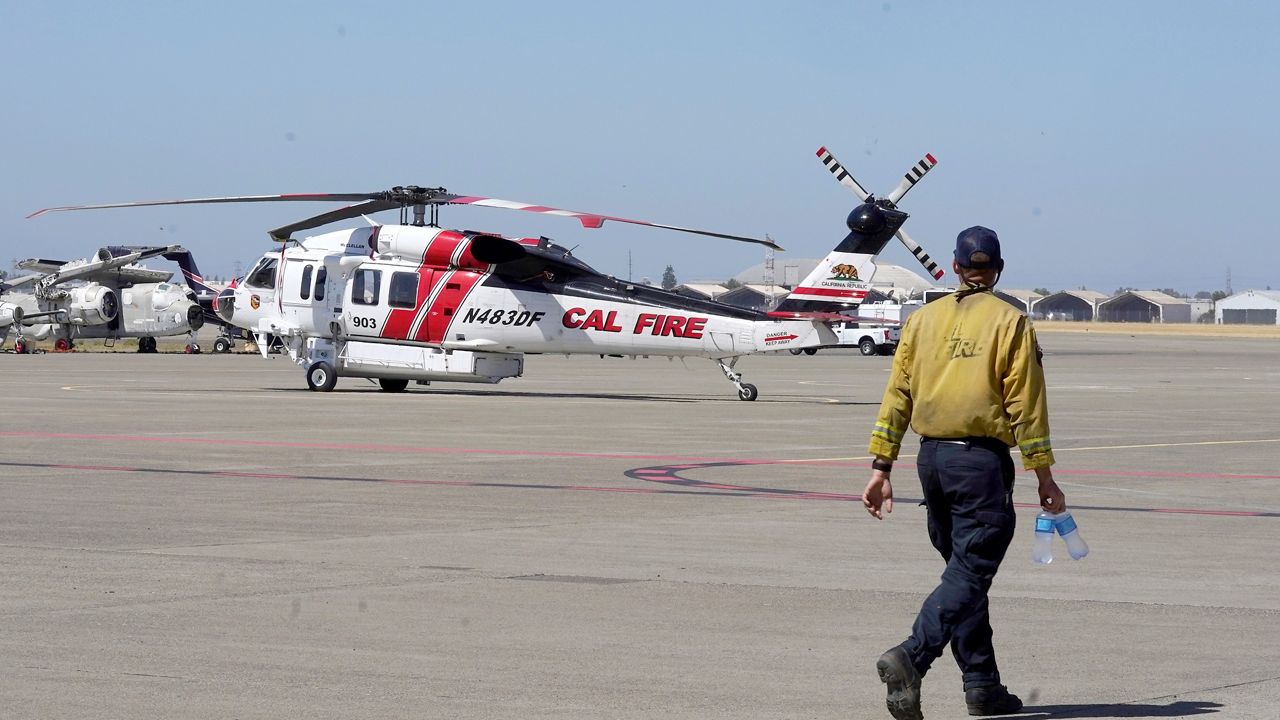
(1175, 444)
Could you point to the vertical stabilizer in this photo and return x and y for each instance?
(842, 280)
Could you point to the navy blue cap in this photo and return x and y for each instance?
(978, 239)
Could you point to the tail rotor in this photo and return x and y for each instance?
(909, 181)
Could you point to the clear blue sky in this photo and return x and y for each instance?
(1109, 143)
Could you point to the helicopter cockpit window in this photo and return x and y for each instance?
(264, 275)
(404, 290)
(305, 291)
(365, 286)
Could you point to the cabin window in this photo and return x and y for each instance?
(305, 291)
(264, 275)
(365, 286)
(322, 277)
(404, 290)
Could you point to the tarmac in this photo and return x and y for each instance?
(202, 537)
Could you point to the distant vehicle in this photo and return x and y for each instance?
(870, 340)
(106, 296)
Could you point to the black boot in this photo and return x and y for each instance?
(991, 700)
(903, 684)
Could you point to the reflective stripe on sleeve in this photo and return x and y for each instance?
(888, 432)
(1035, 445)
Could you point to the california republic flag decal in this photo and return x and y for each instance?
(842, 278)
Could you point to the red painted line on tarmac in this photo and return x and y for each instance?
(371, 447)
(687, 462)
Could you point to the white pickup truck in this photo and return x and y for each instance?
(868, 340)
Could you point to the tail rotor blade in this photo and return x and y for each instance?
(912, 177)
(841, 174)
(921, 255)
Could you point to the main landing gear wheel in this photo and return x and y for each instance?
(146, 344)
(748, 392)
(392, 384)
(321, 377)
(796, 351)
(811, 351)
(867, 346)
(222, 345)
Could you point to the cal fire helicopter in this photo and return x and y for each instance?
(415, 301)
(104, 296)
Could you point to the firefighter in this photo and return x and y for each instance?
(968, 379)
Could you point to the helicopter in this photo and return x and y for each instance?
(414, 301)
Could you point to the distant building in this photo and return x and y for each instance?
(754, 297)
(1145, 306)
(1200, 308)
(1251, 307)
(1069, 305)
(1022, 300)
(701, 291)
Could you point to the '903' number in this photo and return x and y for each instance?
(364, 322)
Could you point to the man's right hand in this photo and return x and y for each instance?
(1051, 497)
(878, 493)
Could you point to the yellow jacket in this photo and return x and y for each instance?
(967, 369)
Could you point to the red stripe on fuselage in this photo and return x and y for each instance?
(435, 257)
(458, 286)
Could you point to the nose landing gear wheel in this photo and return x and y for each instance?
(192, 349)
(321, 377)
(222, 345)
(748, 392)
(811, 351)
(20, 347)
(62, 345)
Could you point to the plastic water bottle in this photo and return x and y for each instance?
(1066, 525)
(1042, 551)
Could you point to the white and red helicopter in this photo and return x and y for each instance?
(415, 301)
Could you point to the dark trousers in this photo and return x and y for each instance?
(968, 489)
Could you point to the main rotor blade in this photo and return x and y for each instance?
(594, 220)
(841, 174)
(346, 213)
(921, 255)
(912, 177)
(304, 197)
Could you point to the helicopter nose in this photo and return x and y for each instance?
(225, 304)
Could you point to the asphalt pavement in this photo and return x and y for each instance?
(202, 537)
